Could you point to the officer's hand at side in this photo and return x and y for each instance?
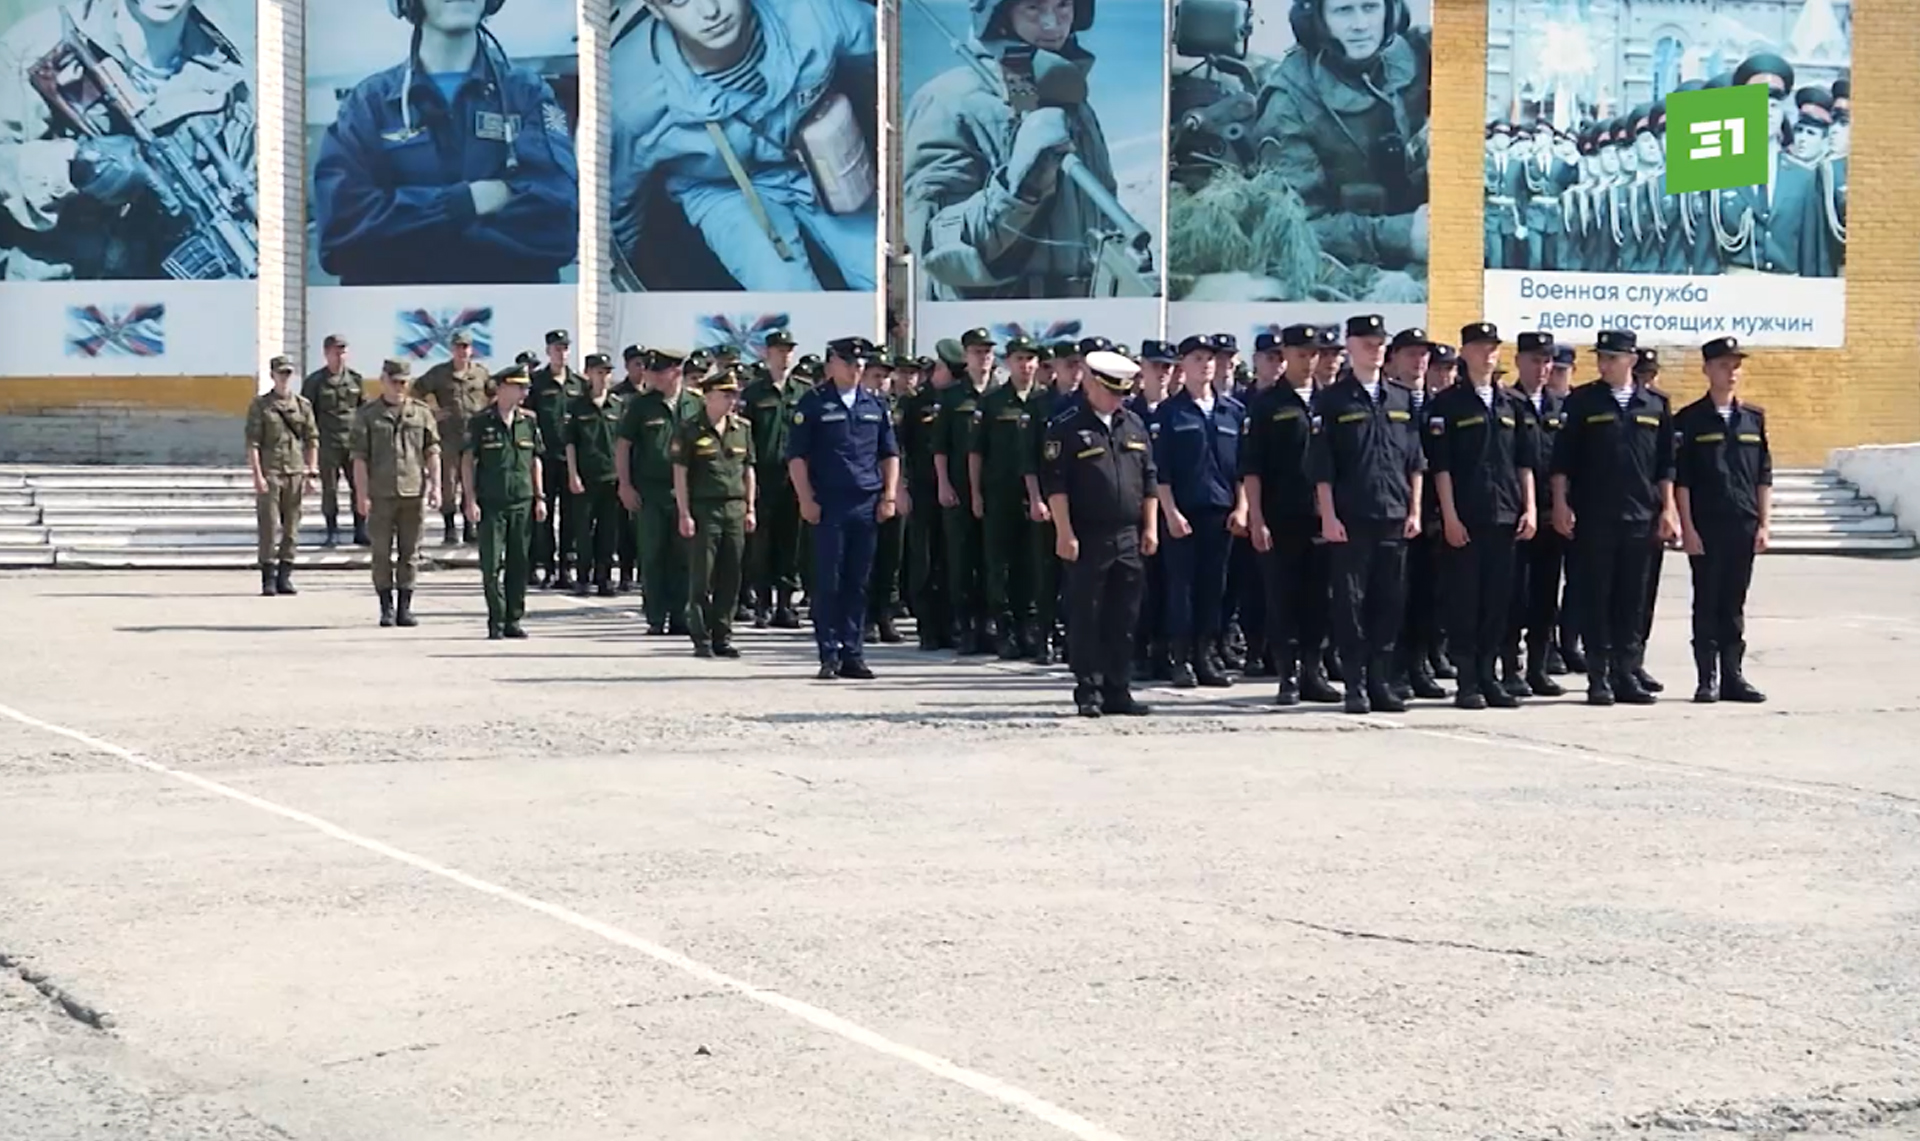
(109, 169)
(751, 521)
(629, 498)
(686, 526)
(363, 504)
(1039, 512)
(1669, 526)
(575, 486)
(1034, 166)
(1149, 543)
(1456, 532)
(1411, 530)
(810, 511)
(490, 196)
(473, 512)
(433, 496)
(539, 509)
(1563, 520)
(1529, 526)
(1762, 539)
(1691, 543)
(1177, 525)
(1237, 522)
(1067, 546)
(1333, 530)
(259, 485)
(885, 510)
(979, 506)
(948, 496)
(1262, 536)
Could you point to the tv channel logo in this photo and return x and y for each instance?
(1717, 138)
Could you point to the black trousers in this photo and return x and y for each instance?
(1152, 624)
(1479, 588)
(1609, 567)
(1369, 573)
(1196, 568)
(1246, 601)
(1656, 559)
(1424, 623)
(553, 542)
(1103, 604)
(1534, 614)
(1295, 573)
(1721, 577)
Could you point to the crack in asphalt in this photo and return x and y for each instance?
(82, 1012)
(552, 1019)
(1368, 936)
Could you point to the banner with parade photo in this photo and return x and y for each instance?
(744, 189)
(1032, 168)
(1605, 127)
(1298, 134)
(129, 204)
(443, 189)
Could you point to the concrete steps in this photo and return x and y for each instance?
(173, 517)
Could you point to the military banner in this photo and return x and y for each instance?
(129, 213)
(443, 191)
(1298, 132)
(1590, 114)
(1032, 165)
(744, 189)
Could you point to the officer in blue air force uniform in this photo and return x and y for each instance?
(1196, 451)
(455, 166)
(845, 467)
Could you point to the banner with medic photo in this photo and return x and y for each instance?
(1581, 232)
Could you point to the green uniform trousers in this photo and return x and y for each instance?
(335, 463)
(506, 533)
(715, 555)
(773, 550)
(276, 517)
(966, 590)
(1008, 543)
(396, 522)
(926, 567)
(1046, 578)
(596, 523)
(663, 557)
(889, 553)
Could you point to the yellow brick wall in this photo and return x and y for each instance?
(1816, 399)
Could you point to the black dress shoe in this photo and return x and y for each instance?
(703, 651)
(828, 671)
(856, 669)
(1288, 693)
(513, 630)
(1647, 681)
(1087, 707)
(493, 633)
(656, 629)
(1121, 703)
(725, 650)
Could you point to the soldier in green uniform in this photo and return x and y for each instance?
(644, 467)
(550, 389)
(503, 468)
(952, 439)
(283, 444)
(773, 550)
(336, 393)
(1003, 436)
(713, 494)
(593, 424)
(633, 359)
(877, 375)
(458, 388)
(396, 463)
(926, 536)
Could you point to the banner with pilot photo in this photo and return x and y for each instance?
(443, 190)
(1298, 135)
(744, 184)
(1032, 169)
(129, 205)
(1582, 232)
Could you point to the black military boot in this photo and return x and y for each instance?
(626, 581)
(603, 582)
(1576, 661)
(283, 580)
(1556, 664)
(1492, 685)
(1230, 650)
(467, 533)
(1159, 661)
(1086, 697)
(1380, 693)
(1599, 671)
(564, 580)
(889, 633)
(1288, 692)
(1117, 700)
(360, 531)
(1440, 662)
(268, 586)
(403, 616)
(1315, 685)
(983, 634)
(582, 586)
(386, 606)
(1733, 684)
(1420, 678)
(1540, 669)
(1356, 679)
(1468, 695)
(1259, 661)
(1706, 667)
(1510, 679)
(762, 608)
(1005, 644)
(1207, 666)
(783, 616)
(1042, 646)
(452, 536)
(1182, 674)
(1627, 687)
(333, 533)
(1646, 679)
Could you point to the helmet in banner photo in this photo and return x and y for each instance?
(992, 19)
(413, 11)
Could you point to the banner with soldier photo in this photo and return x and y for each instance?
(1032, 164)
(443, 190)
(129, 206)
(1581, 231)
(744, 188)
(1298, 137)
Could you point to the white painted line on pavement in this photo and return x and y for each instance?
(1072, 1124)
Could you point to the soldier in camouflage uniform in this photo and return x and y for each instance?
(503, 467)
(396, 459)
(283, 444)
(1003, 441)
(550, 389)
(713, 478)
(336, 393)
(773, 550)
(644, 467)
(458, 388)
(593, 427)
